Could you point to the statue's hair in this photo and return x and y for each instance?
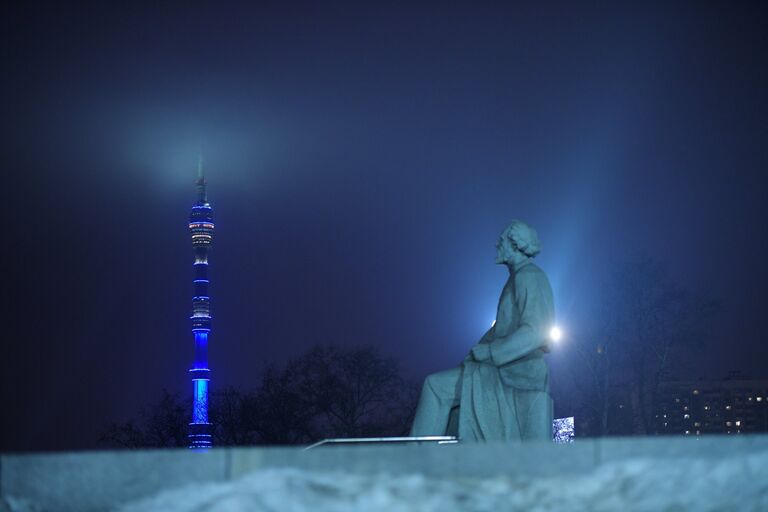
(524, 237)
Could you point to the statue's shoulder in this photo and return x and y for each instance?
(531, 275)
(530, 270)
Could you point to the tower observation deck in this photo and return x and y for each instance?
(201, 230)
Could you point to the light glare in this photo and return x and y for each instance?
(555, 334)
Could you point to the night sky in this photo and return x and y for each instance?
(362, 162)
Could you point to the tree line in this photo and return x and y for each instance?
(327, 392)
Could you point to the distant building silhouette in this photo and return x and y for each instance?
(736, 405)
(201, 229)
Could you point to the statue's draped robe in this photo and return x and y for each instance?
(507, 398)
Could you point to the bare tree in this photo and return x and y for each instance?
(646, 326)
(595, 385)
(162, 424)
(230, 413)
(122, 435)
(354, 392)
(652, 322)
(281, 413)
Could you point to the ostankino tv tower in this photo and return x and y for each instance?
(201, 229)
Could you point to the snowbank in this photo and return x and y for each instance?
(729, 483)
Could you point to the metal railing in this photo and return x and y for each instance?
(377, 440)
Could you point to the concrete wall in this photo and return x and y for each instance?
(99, 481)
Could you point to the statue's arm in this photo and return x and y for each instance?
(481, 351)
(534, 301)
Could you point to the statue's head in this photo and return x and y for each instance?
(518, 242)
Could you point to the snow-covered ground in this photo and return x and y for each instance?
(634, 484)
(737, 483)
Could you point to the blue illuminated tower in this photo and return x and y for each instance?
(201, 229)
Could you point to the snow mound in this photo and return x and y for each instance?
(630, 485)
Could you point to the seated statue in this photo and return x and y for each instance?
(501, 390)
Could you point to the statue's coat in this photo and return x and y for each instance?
(505, 397)
(508, 397)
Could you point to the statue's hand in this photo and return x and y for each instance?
(481, 352)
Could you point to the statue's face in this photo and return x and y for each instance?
(505, 250)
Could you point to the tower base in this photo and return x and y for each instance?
(200, 435)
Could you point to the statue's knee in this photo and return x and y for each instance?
(432, 384)
(429, 383)
(440, 383)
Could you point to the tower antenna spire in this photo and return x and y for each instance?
(202, 196)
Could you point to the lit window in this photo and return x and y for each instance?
(759, 399)
(698, 432)
(687, 432)
(677, 400)
(696, 423)
(686, 416)
(727, 407)
(665, 423)
(728, 423)
(749, 398)
(706, 407)
(621, 406)
(685, 408)
(695, 391)
(738, 423)
(665, 415)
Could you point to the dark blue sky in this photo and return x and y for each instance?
(362, 162)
